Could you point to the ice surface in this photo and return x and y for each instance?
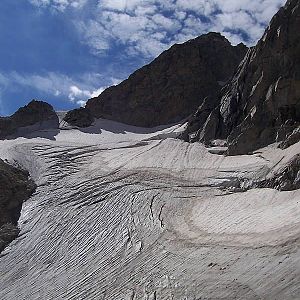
(130, 213)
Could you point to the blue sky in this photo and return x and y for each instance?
(66, 51)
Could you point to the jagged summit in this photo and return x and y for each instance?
(210, 36)
(173, 85)
(261, 104)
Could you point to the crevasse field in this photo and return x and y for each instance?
(121, 212)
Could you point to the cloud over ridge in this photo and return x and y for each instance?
(105, 39)
(148, 27)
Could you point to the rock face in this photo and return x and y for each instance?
(173, 85)
(291, 139)
(15, 188)
(286, 179)
(79, 117)
(261, 104)
(37, 113)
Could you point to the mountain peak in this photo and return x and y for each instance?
(261, 104)
(173, 85)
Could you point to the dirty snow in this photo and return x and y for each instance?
(129, 213)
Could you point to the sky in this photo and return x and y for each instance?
(67, 51)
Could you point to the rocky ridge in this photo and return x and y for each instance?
(172, 86)
(35, 115)
(261, 104)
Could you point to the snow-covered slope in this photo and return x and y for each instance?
(122, 212)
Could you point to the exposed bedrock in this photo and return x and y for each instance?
(287, 178)
(172, 86)
(15, 187)
(79, 117)
(291, 139)
(261, 104)
(36, 115)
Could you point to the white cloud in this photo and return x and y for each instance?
(142, 26)
(147, 27)
(119, 5)
(167, 24)
(97, 92)
(77, 90)
(82, 103)
(3, 80)
(40, 3)
(94, 35)
(59, 5)
(78, 95)
(145, 10)
(128, 6)
(198, 6)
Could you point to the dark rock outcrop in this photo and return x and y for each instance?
(283, 178)
(286, 179)
(79, 117)
(291, 139)
(261, 104)
(172, 86)
(34, 116)
(15, 187)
